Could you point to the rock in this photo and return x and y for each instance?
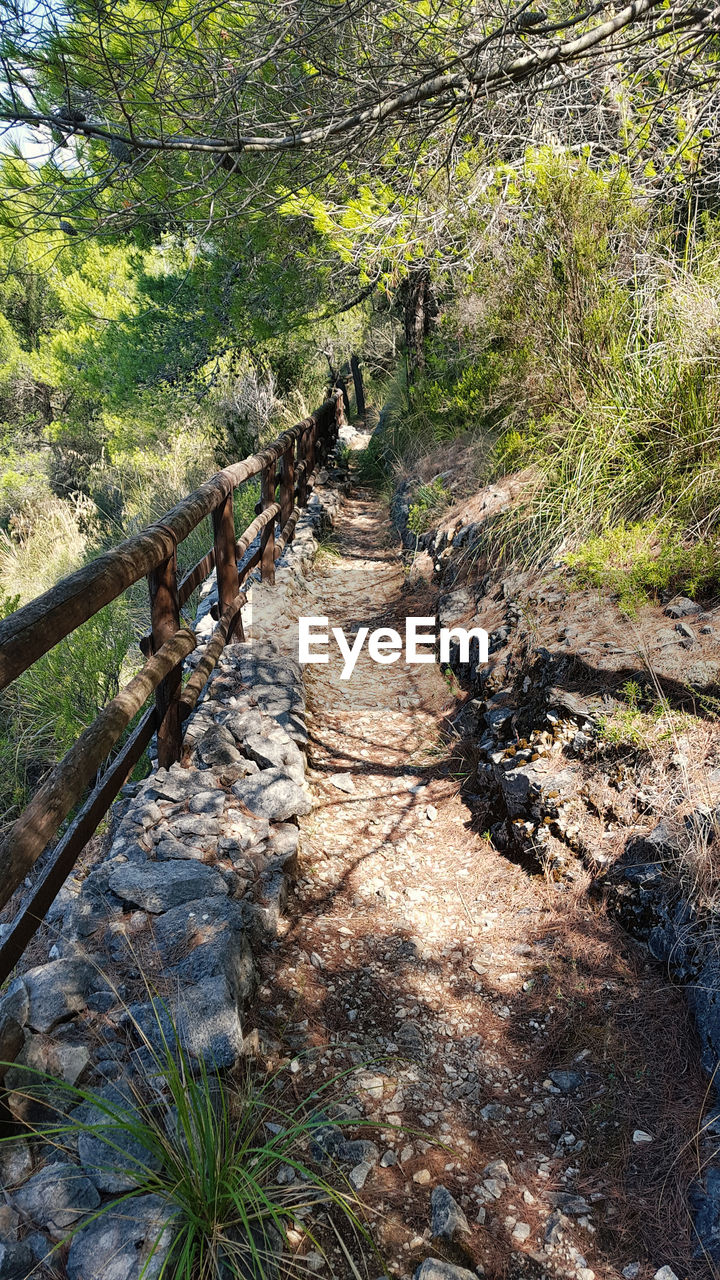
(681, 607)
(434, 1269)
(343, 782)
(422, 1177)
(358, 1176)
(665, 1273)
(57, 1196)
(159, 887)
(15, 1162)
(498, 1170)
(177, 783)
(115, 1160)
(126, 1243)
(447, 1218)
(9, 1221)
(44, 1056)
(354, 1152)
(16, 1260)
(205, 1021)
(277, 751)
(388, 1159)
(207, 938)
(641, 1138)
(273, 795)
(208, 803)
(57, 991)
(217, 746)
(566, 1081)
(705, 1204)
(521, 1232)
(631, 1271)
(431, 813)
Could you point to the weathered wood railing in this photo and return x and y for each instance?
(287, 465)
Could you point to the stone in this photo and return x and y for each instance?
(43, 1056)
(359, 1175)
(9, 1220)
(422, 1177)
(159, 887)
(566, 1081)
(354, 1152)
(207, 938)
(520, 1232)
(631, 1271)
(57, 991)
(273, 795)
(217, 746)
(498, 1170)
(276, 750)
(15, 1162)
(681, 607)
(665, 1273)
(342, 782)
(205, 1020)
(177, 783)
(208, 804)
(114, 1159)
(641, 1138)
(388, 1159)
(126, 1243)
(57, 1196)
(434, 1269)
(447, 1218)
(16, 1260)
(284, 840)
(705, 1203)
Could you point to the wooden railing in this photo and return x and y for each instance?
(286, 469)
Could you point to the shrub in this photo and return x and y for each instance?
(643, 560)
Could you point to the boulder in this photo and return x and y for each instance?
(273, 795)
(205, 939)
(57, 991)
(124, 1243)
(157, 887)
(57, 1196)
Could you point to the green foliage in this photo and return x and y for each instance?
(430, 499)
(645, 560)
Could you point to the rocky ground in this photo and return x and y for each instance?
(534, 1083)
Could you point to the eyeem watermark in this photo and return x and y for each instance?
(385, 645)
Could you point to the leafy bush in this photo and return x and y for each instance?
(430, 500)
(637, 561)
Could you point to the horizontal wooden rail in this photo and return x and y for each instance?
(31, 631)
(288, 463)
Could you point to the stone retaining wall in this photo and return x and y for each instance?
(190, 890)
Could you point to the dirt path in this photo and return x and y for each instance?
(502, 1017)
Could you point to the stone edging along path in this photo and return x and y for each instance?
(187, 895)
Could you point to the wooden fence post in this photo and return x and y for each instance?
(228, 582)
(267, 537)
(302, 479)
(165, 615)
(287, 486)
